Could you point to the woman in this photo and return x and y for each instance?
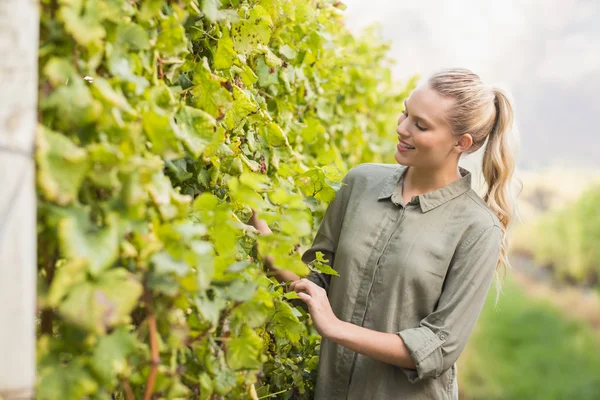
(415, 247)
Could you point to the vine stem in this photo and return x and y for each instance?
(128, 391)
(273, 394)
(155, 358)
(161, 73)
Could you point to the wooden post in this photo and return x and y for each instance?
(19, 30)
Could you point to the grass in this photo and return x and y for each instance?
(524, 349)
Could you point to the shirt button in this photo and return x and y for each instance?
(442, 336)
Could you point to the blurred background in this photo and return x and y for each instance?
(543, 339)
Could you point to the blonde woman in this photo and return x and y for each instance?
(415, 247)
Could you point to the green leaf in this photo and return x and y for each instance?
(285, 323)
(243, 351)
(253, 31)
(163, 133)
(133, 36)
(211, 308)
(71, 381)
(209, 92)
(212, 11)
(248, 76)
(171, 40)
(321, 265)
(240, 290)
(103, 303)
(86, 26)
(325, 269)
(275, 136)
(75, 105)
(110, 355)
(288, 51)
(266, 75)
(291, 295)
(80, 239)
(67, 275)
(112, 96)
(62, 166)
(197, 129)
(164, 263)
(242, 107)
(59, 71)
(256, 182)
(225, 54)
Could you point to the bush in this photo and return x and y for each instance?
(162, 123)
(567, 239)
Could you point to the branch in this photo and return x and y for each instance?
(161, 73)
(128, 391)
(154, 354)
(47, 316)
(154, 357)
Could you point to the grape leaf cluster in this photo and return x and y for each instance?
(162, 123)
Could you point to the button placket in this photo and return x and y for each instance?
(356, 314)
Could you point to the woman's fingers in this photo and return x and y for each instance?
(269, 262)
(305, 297)
(260, 225)
(304, 284)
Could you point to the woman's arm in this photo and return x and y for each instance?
(263, 228)
(386, 347)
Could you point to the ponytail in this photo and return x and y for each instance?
(498, 167)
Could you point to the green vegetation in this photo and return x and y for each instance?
(525, 350)
(161, 124)
(567, 239)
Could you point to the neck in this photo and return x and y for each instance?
(423, 180)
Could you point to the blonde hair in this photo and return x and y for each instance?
(487, 114)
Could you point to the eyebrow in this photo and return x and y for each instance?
(417, 116)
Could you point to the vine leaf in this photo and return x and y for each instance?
(97, 305)
(110, 355)
(62, 166)
(80, 239)
(244, 351)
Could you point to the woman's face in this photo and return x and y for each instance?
(422, 127)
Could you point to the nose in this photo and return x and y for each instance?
(401, 128)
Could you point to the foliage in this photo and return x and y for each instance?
(567, 239)
(526, 350)
(161, 124)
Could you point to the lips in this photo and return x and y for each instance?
(405, 145)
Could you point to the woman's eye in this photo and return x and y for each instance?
(417, 125)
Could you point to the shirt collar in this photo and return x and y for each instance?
(428, 201)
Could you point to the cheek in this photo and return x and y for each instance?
(426, 143)
(433, 143)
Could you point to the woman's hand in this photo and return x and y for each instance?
(319, 307)
(258, 223)
(279, 274)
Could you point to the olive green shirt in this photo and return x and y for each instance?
(421, 270)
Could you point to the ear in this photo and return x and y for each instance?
(463, 143)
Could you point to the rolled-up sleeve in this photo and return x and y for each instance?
(441, 336)
(328, 233)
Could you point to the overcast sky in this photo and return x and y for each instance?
(545, 52)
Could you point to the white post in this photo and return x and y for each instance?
(19, 30)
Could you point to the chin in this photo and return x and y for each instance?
(400, 159)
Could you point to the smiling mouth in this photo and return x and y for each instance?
(405, 146)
